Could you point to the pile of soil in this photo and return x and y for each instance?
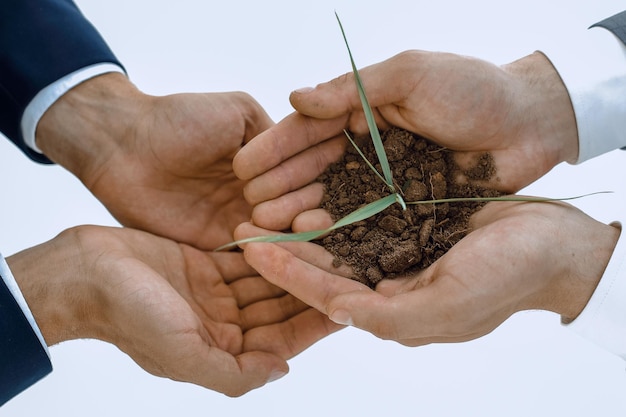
(398, 242)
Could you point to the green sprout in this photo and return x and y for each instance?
(377, 206)
(369, 116)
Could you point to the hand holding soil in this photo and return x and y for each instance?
(520, 113)
(493, 129)
(519, 256)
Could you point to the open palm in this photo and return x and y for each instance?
(519, 256)
(200, 317)
(205, 318)
(172, 173)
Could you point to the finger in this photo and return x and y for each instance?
(295, 172)
(414, 342)
(327, 100)
(313, 285)
(357, 123)
(271, 311)
(391, 287)
(384, 83)
(497, 210)
(317, 256)
(431, 312)
(256, 118)
(317, 219)
(234, 376)
(231, 265)
(307, 252)
(368, 311)
(401, 285)
(279, 213)
(289, 137)
(253, 289)
(248, 230)
(291, 337)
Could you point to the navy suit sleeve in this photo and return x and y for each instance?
(41, 41)
(616, 24)
(23, 360)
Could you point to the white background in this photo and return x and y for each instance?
(530, 365)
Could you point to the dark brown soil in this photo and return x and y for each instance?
(398, 242)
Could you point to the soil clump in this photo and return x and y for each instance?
(398, 242)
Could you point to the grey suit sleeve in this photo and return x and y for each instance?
(616, 24)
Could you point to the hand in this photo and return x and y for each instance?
(160, 164)
(205, 318)
(520, 113)
(518, 256)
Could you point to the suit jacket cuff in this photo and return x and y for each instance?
(593, 69)
(41, 42)
(24, 356)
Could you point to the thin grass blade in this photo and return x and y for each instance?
(362, 213)
(505, 198)
(367, 161)
(366, 211)
(287, 237)
(369, 116)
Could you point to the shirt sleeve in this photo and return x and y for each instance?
(592, 66)
(49, 95)
(24, 356)
(603, 320)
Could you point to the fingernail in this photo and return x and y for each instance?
(304, 90)
(342, 317)
(276, 375)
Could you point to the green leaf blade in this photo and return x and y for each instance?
(287, 237)
(505, 198)
(369, 116)
(362, 213)
(366, 211)
(367, 161)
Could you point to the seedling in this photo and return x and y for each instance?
(386, 177)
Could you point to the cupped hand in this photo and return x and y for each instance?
(160, 164)
(204, 318)
(520, 113)
(518, 256)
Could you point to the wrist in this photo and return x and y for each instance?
(57, 288)
(586, 269)
(597, 93)
(546, 111)
(89, 123)
(602, 320)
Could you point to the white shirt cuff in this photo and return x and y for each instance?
(592, 65)
(9, 280)
(603, 320)
(46, 97)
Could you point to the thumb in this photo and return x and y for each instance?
(384, 83)
(233, 376)
(327, 100)
(369, 311)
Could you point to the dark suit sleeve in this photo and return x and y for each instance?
(616, 24)
(23, 359)
(41, 41)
